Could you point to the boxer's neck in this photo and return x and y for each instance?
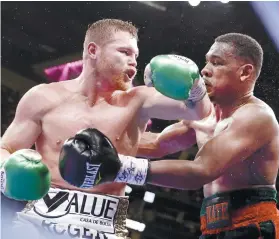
(93, 87)
(227, 108)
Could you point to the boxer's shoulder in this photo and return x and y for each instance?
(59, 87)
(254, 109)
(41, 98)
(257, 114)
(33, 99)
(43, 90)
(56, 92)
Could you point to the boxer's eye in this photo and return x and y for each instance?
(125, 52)
(216, 63)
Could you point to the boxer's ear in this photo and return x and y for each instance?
(92, 49)
(246, 72)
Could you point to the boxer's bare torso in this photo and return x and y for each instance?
(260, 169)
(64, 111)
(116, 116)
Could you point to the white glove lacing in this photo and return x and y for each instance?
(198, 91)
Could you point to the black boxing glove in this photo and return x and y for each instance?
(89, 158)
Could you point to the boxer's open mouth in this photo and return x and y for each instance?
(207, 83)
(131, 74)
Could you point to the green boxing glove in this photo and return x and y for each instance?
(176, 77)
(24, 177)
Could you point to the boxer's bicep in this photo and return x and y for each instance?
(247, 133)
(26, 125)
(20, 135)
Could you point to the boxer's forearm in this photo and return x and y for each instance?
(180, 174)
(4, 154)
(178, 78)
(161, 107)
(164, 144)
(148, 145)
(149, 150)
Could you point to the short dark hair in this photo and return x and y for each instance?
(102, 30)
(246, 47)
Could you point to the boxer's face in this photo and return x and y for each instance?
(117, 60)
(221, 72)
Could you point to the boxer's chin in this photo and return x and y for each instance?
(210, 95)
(209, 90)
(121, 83)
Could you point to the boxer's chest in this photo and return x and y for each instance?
(117, 122)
